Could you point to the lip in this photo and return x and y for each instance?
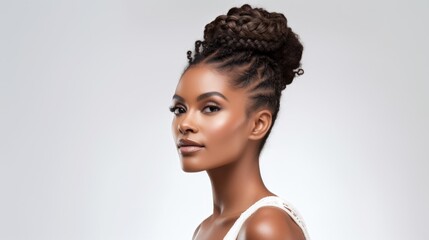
(187, 146)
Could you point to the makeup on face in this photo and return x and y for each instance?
(210, 125)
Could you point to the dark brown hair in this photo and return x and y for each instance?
(257, 49)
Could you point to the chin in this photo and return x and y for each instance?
(192, 164)
(191, 169)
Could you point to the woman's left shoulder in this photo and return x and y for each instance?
(272, 223)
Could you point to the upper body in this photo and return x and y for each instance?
(225, 105)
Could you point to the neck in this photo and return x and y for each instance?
(236, 186)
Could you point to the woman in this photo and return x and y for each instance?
(225, 105)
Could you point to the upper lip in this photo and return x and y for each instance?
(188, 142)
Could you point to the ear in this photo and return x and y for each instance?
(262, 121)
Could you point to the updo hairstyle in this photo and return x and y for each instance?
(257, 49)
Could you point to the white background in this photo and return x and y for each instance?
(85, 143)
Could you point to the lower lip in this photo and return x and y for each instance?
(189, 149)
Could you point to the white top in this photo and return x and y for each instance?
(273, 201)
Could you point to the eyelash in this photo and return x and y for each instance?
(173, 109)
(214, 108)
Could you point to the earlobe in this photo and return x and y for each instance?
(262, 121)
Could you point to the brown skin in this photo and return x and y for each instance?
(228, 140)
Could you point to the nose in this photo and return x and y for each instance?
(187, 124)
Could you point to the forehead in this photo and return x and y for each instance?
(201, 79)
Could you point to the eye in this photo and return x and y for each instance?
(177, 110)
(211, 109)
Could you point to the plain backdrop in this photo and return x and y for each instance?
(86, 150)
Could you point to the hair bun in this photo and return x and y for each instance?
(257, 30)
(248, 28)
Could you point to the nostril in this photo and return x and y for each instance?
(185, 128)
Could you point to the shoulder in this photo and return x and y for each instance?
(196, 231)
(270, 223)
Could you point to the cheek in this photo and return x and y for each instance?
(226, 131)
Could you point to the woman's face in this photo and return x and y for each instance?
(210, 126)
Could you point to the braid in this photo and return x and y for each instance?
(258, 50)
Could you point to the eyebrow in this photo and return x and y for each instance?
(202, 96)
(178, 98)
(209, 94)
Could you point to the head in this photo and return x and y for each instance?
(246, 60)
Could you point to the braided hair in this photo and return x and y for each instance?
(257, 49)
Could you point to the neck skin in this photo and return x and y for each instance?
(237, 186)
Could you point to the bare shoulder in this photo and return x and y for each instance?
(196, 231)
(270, 223)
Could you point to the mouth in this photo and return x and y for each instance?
(187, 146)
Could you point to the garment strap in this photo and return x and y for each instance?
(272, 201)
